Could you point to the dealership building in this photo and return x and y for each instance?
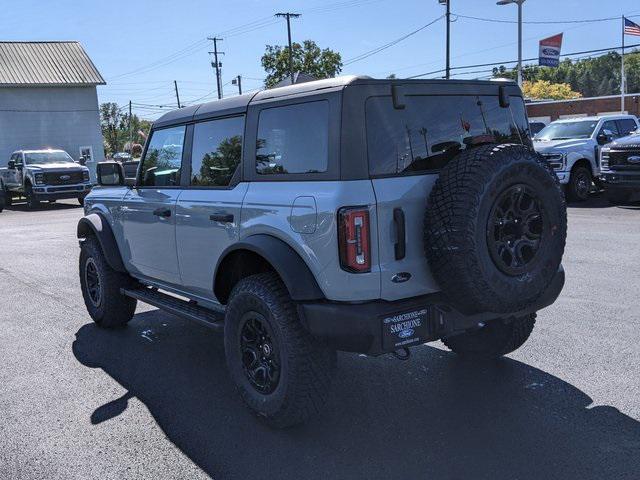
(547, 111)
(48, 99)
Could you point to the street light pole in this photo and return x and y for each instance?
(519, 3)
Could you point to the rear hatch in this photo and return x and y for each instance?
(407, 147)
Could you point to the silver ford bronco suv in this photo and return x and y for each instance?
(346, 214)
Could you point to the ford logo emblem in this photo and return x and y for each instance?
(550, 52)
(633, 159)
(65, 177)
(406, 333)
(401, 277)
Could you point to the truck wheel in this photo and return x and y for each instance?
(282, 373)
(579, 185)
(617, 197)
(101, 287)
(494, 339)
(8, 199)
(495, 229)
(32, 203)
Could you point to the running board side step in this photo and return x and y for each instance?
(176, 306)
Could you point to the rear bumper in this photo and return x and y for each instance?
(360, 327)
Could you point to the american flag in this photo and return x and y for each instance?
(631, 28)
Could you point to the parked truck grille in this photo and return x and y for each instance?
(624, 159)
(62, 178)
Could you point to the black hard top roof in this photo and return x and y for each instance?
(238, 104)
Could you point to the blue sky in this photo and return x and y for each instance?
(141, 46)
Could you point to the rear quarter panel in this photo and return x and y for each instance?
(267, 209)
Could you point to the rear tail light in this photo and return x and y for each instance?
(354, 239)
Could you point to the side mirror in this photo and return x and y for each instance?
(11, 165)
(110, 174)
(82, 160)
(603, 139)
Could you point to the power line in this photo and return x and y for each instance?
(538, 22)
(391, 43)
(524, 60)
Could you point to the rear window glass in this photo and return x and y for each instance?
(293, 139)
(431, 130)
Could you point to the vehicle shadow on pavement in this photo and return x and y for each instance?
(598, 200)
(22, 207)
(434, 416)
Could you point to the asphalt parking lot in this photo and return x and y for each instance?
(154, 400)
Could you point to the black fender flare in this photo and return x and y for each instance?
(287, 263)
(96, 224)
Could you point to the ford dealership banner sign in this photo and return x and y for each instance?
(550, 51)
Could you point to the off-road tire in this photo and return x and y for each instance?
(306, 364)
(8, 199)
(113, 309)
(458, 233)
(576, 191)
(494, 340)
(32, 203)
(617, 197)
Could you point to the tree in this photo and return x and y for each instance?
(115, 128)
(307, 58)
(589, 76)
(543, 89)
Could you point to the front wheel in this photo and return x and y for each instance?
(495, 339)
(32, 202)
(579, 185)
(101, 288)
(283, 374)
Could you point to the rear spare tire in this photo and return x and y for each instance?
(495, 229)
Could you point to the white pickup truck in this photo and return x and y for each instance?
(572, 148)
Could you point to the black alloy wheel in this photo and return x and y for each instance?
(515, 229)
(260, 353)
(92, 281)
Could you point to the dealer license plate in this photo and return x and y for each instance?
(405, 329)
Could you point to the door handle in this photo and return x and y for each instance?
(221, 217)
(401, 243)
(162, 212)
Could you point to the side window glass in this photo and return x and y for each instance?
(626, 126)
(217, 150)
(161, 165)
(610, 128)
(293, 139)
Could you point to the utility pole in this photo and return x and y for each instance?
(175, 84)
(447, 3)
(238, 81)
(289, 16)
(217, 64)
(130, 132)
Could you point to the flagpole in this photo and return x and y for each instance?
(622, 79)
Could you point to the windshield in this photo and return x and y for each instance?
(41, 158)
(567, 130)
